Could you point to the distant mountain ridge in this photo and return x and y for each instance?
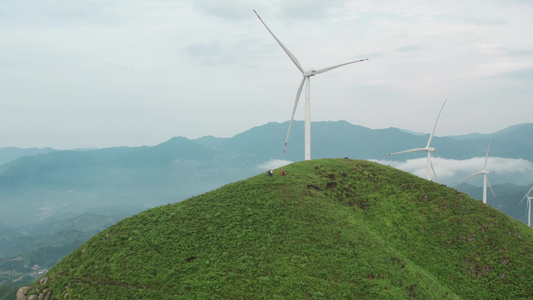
(179, 168)
(8, 154)
(518, 129)
(142, 177)
(327, 135)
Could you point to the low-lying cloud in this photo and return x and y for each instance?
(273, 164)
(450, 170)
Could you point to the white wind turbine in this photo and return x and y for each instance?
(485, 179)
(306, 79)
(428, 149)
(528, 206)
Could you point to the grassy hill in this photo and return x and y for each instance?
(331, 228)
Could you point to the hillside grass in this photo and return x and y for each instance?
(328, 229)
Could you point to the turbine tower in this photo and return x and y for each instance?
(485, 173)
(528, 206)
(428, 149)
(306, 79)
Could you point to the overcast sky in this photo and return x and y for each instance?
(130, 73)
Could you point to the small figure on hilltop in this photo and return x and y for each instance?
(270, 172)
(283, 173)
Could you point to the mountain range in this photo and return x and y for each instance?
(41, 186)
(105, 179)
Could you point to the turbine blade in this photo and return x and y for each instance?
(294, 111)
(433, 132)
(431, 164)
(527, 195)
(407, 151)
(291, 56)
(334, 67)
(522, 200)
(488, 183)
(468, 177)
(488, 149)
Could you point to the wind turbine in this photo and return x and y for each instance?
(528, 206)
(485, 173)
(428, 149)
(306, 79)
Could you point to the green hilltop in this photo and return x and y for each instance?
(328, 229)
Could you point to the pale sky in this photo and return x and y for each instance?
(78, 74)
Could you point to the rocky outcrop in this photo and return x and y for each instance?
(22, 292)
(35, 292)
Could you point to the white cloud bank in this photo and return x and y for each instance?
(273, 164)
(450, 170)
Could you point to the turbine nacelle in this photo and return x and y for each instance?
(431, 149)
(485, 172)
(309, 73)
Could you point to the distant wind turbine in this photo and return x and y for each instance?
(306, 79)
(485, 173)
(528, 206)
(428, 149)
